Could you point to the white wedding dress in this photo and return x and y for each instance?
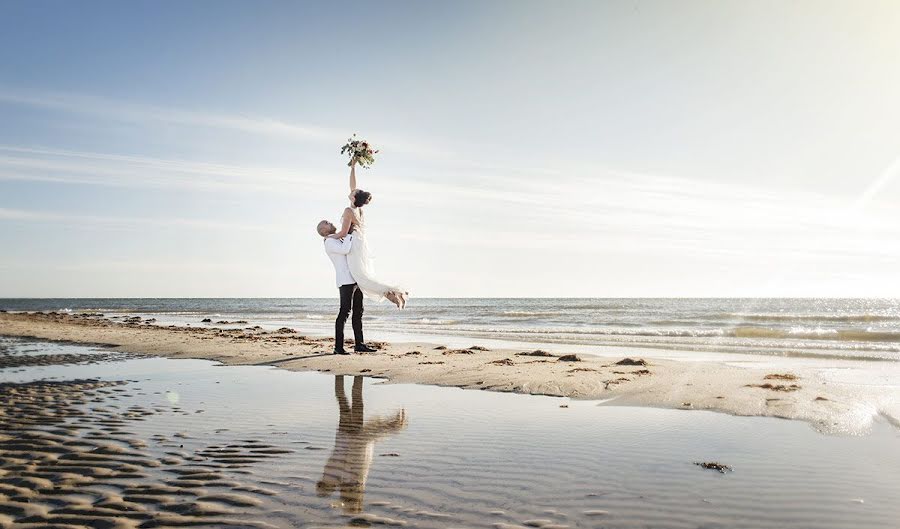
(361, 266)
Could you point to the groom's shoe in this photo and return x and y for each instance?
(340, 352)
(363, 348)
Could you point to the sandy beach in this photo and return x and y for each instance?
(96, 437)
(802, 390)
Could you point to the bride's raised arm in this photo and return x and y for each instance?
(353, 174)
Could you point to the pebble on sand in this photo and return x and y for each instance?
(712, 465)
(631, 362)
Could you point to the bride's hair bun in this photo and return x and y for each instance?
(362, 198)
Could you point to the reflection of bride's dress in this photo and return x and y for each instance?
(354, 443)
(360, 261)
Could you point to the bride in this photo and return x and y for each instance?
(359, 260)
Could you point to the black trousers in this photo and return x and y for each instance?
(351, 298)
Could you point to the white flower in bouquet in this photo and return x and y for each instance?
(360, 150)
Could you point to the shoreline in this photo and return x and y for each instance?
(806, 392)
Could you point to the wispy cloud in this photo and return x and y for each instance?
(107, 109)
(626, 212)
(95, 221)
(116, 110)
(525, 208)
(90, 168)
(132, 266)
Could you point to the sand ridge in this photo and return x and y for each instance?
(800, 394)
(68, 460)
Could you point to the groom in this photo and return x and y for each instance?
(351, 295)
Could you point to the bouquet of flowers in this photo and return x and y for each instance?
(360, 150)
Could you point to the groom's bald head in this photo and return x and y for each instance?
(325, 228)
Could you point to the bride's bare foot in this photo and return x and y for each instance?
(394, 298)
(403, 298)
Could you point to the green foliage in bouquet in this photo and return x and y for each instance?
(360, 150)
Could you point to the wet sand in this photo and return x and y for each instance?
(804, 390)
(68, 459)
(94, 438)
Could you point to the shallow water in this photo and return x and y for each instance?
(459, 458)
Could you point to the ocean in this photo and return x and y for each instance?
(827, 327)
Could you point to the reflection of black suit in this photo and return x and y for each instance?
(354, 443)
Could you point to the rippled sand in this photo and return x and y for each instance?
(67, 459)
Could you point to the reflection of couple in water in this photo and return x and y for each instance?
(354, 445)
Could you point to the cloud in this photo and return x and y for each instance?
(107, 109)
(134, 112)
(90, 168)
(570, 209)
(613, 210)
(93, 221)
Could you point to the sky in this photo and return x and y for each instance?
(549, 149)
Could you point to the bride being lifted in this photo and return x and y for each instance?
(359, 260)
